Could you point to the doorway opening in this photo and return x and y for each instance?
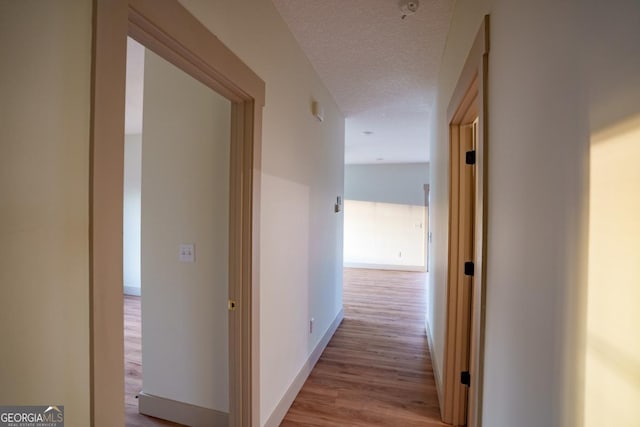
(467, 115)
(385, 216)
(131, 235)
(176, 245)
(176, 36)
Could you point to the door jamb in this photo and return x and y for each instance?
(172, 32)
(470, 98)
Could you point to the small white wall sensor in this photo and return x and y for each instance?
(317, 111)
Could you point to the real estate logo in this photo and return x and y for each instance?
(32, 416)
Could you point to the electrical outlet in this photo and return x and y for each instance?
(187, 252)
(311, 325)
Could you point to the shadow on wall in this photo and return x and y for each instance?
(612, 362)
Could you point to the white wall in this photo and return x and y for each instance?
(185, 200)
(131, 213)
(389, 183)
(303, 170)
(45, 169)
(44, 204)
(384, 235)
(558, 72)
(539, 156)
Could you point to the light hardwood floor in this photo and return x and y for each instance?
(133, 367)
(376, 371)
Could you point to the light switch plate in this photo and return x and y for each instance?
(187, 252)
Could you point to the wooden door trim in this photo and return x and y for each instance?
(469, 100)
(173, 33)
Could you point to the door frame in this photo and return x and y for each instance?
(470, 100)
(169, 30)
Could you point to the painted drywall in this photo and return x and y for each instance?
(553, 81)
(387, 183)
(185, 200)
(131, 213)
(300, 236)
(612, 60)
(44, 208)
(384, 235)
(612, 383)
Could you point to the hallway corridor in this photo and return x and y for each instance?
(376, 371)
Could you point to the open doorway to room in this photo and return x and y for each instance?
(131, 248)
(197, 195)
(176, 202)
(385, 216)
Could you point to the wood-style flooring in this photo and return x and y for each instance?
(133, 367)
(376, 371)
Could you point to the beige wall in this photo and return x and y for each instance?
(613, 325)
(44, 185)
(612, 375)
(185, 200)
(384, 235)
(559, 71)
(303, 168)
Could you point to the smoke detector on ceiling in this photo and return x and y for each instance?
(408, 7)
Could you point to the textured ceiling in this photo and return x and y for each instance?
(380, 69)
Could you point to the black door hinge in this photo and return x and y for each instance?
(465, 378)
(470, 157)
(469, 268)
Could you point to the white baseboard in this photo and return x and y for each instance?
(285, 403)
(180, 412)
(132, 290)
(434, 365)
(385, 266)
